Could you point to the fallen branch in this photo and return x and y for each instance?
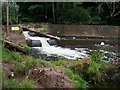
(13, 46)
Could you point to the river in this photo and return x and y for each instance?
(69, 48)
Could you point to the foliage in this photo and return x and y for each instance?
(13, 13)
(69, 12)
(79, 82)
(91, 70)
(95, 70)
(96, 56)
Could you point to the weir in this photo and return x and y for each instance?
(79, 34)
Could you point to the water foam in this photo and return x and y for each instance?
(57, 51)
(63, 52)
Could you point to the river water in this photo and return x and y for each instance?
(73, 51)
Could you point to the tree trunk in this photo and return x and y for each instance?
(53, 9)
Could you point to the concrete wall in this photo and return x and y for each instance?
(77, 30)
(85, 30)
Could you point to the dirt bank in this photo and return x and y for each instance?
(49, 78)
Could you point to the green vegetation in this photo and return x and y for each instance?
(27, 48)
(106, 13)
(78, 81)
(13, 13)
(95, 70)
(86, 73)
(11, 84)
(60, 62)
(26, 83)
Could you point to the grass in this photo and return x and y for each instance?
(78, 81)
(82, 76)
(27, 48)
(22, 62)
(25, 83)
(60, 62)
(95, 70)
(6, 56)
(11, 84)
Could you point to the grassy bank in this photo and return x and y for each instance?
(85, 73)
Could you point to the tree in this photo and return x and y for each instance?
(113, 7)
(13, 13)
(110, 12)
(70, 12)
(53, 10)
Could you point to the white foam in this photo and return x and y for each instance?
(57, 51)
(63, 52)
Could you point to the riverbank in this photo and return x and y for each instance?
(23, 71)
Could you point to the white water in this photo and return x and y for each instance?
(42, 39)
(57, 51)
(63, 52)
(66, 52)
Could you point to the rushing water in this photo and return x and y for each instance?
(65, 52)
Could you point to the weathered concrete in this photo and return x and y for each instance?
(85, 30)
(76, 30)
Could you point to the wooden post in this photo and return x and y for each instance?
(7, 13)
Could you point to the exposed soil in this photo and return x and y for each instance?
(8, 69)
(14, 36)
(43, 77)
(49, 78)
